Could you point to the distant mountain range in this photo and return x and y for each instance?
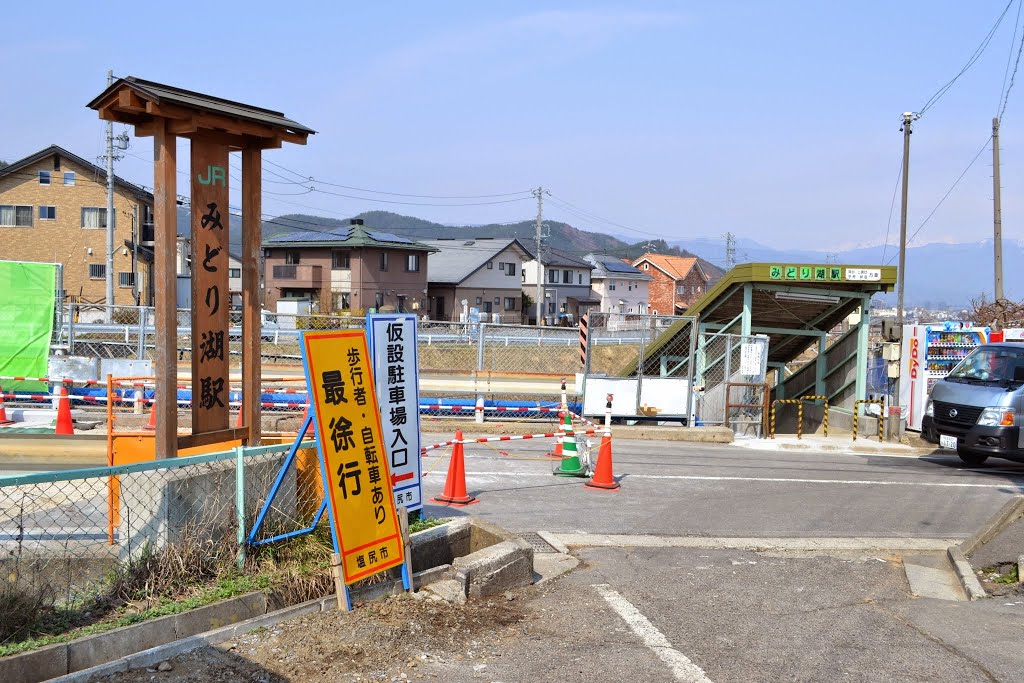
(938, 275)
(558, 235)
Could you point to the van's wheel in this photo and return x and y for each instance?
(971, 458)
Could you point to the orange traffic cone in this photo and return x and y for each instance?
(558, 452)
(603, 477)
(64, 425)
(455, 485)
(3, 411)
(151, 425)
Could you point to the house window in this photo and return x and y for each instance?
(510, 269)
(647, 266)
(412, 263)
(566, 277)
(497, 301)
(235, 272)
(551, 308)
(378, 299)
(510, 303)
(553, 277)
(342, 301)
(487, 307)
(581, 278)
(611, 285)
(384, 260)
(69, 177)
(490, 265)
(291, 258)
(340, 260)
(94, 217)
(479, 300)
(97, 271)
(44, 177)
(47, 213)
(15, 216)
(125, 280)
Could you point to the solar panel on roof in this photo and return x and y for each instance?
(618, 267)
(387, 237)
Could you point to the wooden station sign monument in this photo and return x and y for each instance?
(215, 127)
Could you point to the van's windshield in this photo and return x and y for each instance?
(991, 364)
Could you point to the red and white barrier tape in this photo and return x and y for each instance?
(515, 437)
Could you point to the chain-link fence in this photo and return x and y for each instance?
(728, 370)
(77, 542)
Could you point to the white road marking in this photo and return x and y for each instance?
(813, 544)
(682, 668)
(782, 480)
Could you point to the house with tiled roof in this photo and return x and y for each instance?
(565, 281)
(348, 268)
(484, 272)
(676, 282)
(622, 288)
(53, 209)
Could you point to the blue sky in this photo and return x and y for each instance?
(777, 121)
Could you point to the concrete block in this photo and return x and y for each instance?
(220, 614)
(197, 502)
(36, 665)
(497, 568)
(121, 642)
(441, 544)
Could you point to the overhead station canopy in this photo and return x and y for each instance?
(795, 306)
(789, 303)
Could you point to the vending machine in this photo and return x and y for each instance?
(929, 353)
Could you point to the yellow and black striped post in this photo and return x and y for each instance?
(583, 341)
(881, 418)
(799, 417)
(823, 399)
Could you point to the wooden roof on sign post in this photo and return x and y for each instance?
(140, 103)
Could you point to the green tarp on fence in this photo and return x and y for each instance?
(26, 320)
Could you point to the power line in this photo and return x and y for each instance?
(892, 206)
(312, 179)
(1016, 64)
(569, 206)
(1009, 57)
(975, 56)
(948, 192)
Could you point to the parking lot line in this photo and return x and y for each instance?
(682, 668)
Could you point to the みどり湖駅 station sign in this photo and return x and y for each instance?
(215, 126)
(823, 273)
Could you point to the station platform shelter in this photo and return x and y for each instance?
(796, 306)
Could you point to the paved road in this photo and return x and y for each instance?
(699, 616)
(687, 489)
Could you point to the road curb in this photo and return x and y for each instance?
(958, 553)
(964, 572)
(1007, 514)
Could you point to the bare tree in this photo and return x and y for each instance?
(1005, 312)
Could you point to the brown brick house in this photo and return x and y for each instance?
(676, 282)
(347, 268)
(53, 209)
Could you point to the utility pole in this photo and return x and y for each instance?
(539, 194)
(908, 119)
(997, 217)
(110, 210)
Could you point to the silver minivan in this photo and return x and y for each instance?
(976, 410)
